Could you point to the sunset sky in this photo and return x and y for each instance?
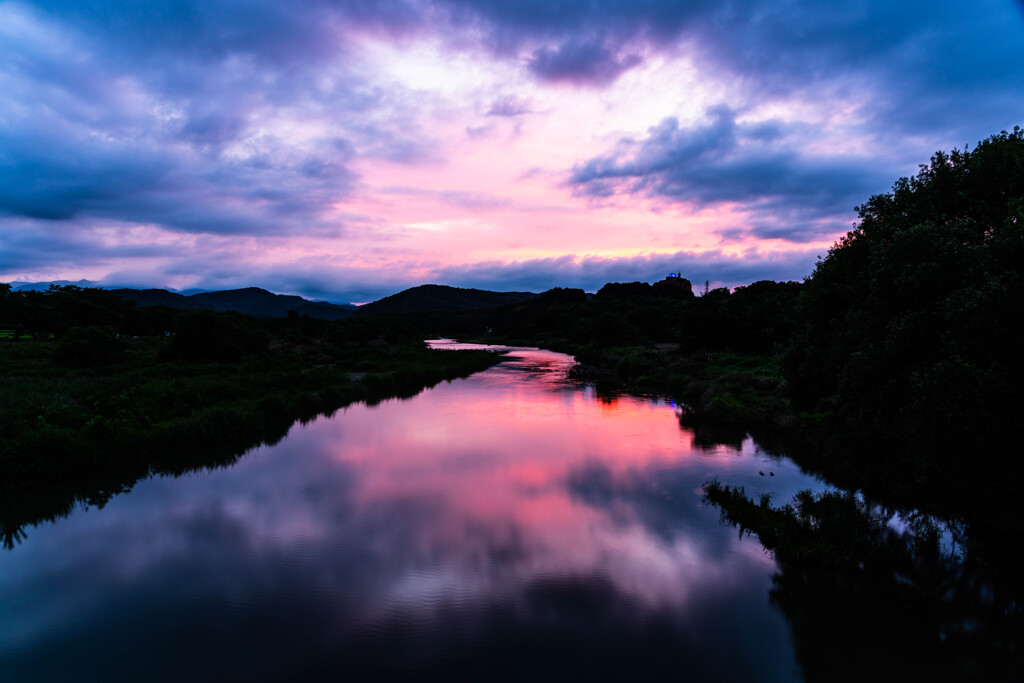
(345, 150)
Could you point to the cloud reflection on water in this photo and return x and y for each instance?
(512, 513)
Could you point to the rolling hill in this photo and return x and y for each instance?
(442, 298)
(250, 301)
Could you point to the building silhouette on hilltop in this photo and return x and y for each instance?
(675, 282)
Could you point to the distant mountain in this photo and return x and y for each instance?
(250, 301)
(20, 286)
(442, 298)
(259, 302)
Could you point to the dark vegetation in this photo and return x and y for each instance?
(869, 601)
(90, 382)
(912, 337)
(904, 370)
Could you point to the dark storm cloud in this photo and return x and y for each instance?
(271, 32)
(215, 129)
(796, 231)
(510, 24)
(47, 175)
(897, 54)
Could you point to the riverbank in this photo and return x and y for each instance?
(729, 389)
(150, 409)
(730, 394)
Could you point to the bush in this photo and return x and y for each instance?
(89, 347)
(206, 336)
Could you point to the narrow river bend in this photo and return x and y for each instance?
(511, 525)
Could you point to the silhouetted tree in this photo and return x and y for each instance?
(909, 320)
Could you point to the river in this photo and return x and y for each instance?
(511, 525)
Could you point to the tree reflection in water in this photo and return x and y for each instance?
(868, 598)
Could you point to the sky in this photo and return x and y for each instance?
(345, 150)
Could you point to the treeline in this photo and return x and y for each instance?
(757, 318)
(911, 323)
(719, 352)
(905, 367)
(53, 313)
(752, 319)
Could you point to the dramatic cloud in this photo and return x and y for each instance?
(345, 147)
(98, 134)
(754, 164)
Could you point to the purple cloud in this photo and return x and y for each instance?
(195, 117)
(28, 245)
(760, 165)
(580, 64)
(886, 51)
(509, 106)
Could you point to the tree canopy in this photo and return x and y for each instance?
(911, 322)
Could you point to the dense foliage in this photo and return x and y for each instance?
(53, 313)
(751, 319)
(911, 331)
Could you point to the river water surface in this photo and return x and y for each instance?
(511, 525)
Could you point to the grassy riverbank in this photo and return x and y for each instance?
(727, 388)
(150, 407)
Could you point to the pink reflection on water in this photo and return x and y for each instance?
(523, 474)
